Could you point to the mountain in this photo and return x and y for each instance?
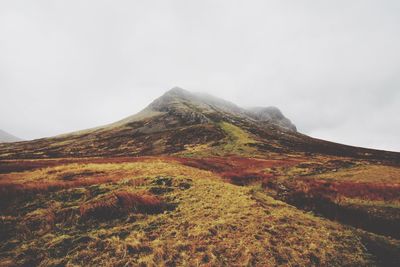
(7, 138)
(183, 122)
(194, 180)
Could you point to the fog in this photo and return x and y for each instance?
(332, 67)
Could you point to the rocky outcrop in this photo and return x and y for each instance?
(201, 108)
(271, 115)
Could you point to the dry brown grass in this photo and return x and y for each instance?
(365, 173)
(118, 214)
(50, 179)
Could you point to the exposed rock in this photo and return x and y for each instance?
(201, 108)
(271, 115)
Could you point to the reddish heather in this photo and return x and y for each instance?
(386, 192)
(10, 191)
(8, 166)
(246, 178)
(122, 202)
(141, 202)
(361, 190)
(225, 164)
(237, 170)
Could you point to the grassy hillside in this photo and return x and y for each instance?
(163, 211)
(197, 181)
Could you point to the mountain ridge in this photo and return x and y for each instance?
(208, 103)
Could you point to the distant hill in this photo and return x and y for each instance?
(8, 138)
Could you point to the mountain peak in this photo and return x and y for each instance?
(177, 92)
(183, 102)
(171, 98)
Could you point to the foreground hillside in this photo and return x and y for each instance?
(197, 181)
(167, 211)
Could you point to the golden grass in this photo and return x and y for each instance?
(87, 174)
(366, 173)
(213, 223)
(238, 140)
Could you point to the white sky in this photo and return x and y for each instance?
(332, 67)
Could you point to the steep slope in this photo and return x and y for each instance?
(7, 138)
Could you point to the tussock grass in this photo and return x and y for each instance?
(350, 194)
(162, 212)
(116, 204)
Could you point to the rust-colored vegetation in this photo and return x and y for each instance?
(122, 202)
(338, 190)
(350, 195)
(238, 170)
(187, 211)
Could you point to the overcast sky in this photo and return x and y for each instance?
(332, 67)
